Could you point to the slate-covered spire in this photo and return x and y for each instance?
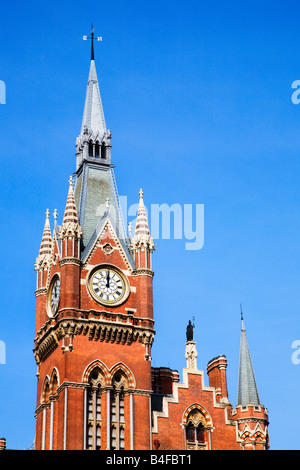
(95, 181)
(93, 115)
(247, 389)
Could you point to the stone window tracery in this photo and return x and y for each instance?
(196, 431)
(93, 406)
(119, 383)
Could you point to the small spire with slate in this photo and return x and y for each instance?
(247, 389)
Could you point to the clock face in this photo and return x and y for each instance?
(107, 285)
(54, 295)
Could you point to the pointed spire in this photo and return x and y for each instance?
(141, 227)
(142, 232)
(70, 214)
(247, 389)
(70, 224)
(46, 243)
(93, 115)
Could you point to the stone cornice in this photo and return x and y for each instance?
(252, 419)
(96, 329)
(41, 291)
(143, 272)
(70, 260)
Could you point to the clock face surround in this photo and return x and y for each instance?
(53, 296)
(108, 285)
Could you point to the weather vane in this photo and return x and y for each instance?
(99, 38)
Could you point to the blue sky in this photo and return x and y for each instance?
(198, 99)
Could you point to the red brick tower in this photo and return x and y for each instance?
(94, 308)
(95, 328)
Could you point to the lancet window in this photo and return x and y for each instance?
(196, 431)
(94, 410)
(118, 412)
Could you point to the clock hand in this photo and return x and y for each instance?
(107, 279)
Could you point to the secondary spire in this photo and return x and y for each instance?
(247, 389)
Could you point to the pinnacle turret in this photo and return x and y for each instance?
(70, 214)
(46, 243)
(70, 225)
(142, 243)
(142, 232)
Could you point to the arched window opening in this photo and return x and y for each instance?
(190, 433)
(196, 431)
(93, 410)
(46, 392)
(97, 149)
(118, 412)
(91, 149)
(103, 151)
(54, 384)
(200, 433)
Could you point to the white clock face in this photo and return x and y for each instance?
(107, 285)
(54, 295)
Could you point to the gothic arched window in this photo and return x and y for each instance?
(103, 151)
(195, 431)
(97, 149)
(93, 407)
(46, 391)
(91, 148)
(119, 384)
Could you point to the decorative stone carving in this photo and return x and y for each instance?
(191, 355)
(108, 249)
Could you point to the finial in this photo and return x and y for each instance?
(47, 214)
(71, 181)
(92, 46)
(99, 38)
(55, 214)
(241, 312)
(141, 194)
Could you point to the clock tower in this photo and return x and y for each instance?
(94, 330)
(94, 308)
